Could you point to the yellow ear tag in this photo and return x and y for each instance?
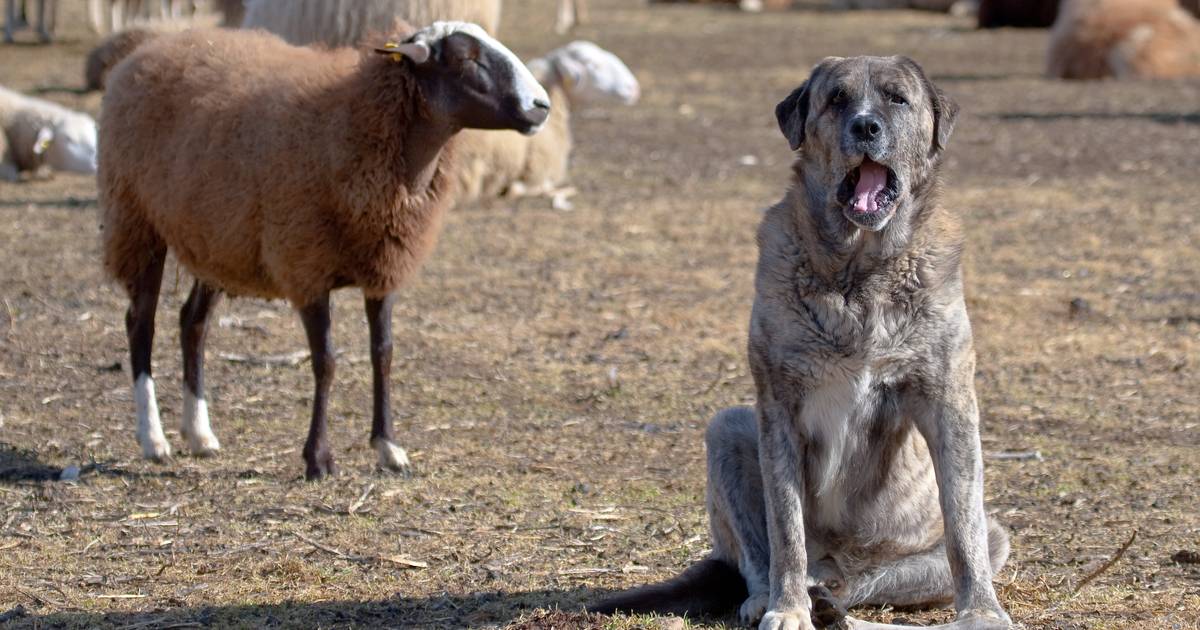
(397, 56)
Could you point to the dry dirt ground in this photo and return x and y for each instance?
(555, 369)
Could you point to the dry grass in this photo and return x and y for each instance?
(555, 370)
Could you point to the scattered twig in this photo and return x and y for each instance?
(361, 499)
(1104, 567)
(328, 549)
(286, 360)
(1015, 455)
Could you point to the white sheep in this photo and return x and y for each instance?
(42, 134)
(493, 163)
(347, 22)
(279, 171)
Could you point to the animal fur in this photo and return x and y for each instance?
(109, 52)
(1017, 13)
(925, 5)
(42, 134)
(286, 172)
(348, 22)
(1147, 39)
(825, 495)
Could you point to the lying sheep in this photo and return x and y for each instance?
(347, 22)
(286, 172)
(42, 134)
(1093, 39)
(113, 49)
(497, 162)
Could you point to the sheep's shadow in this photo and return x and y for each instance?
(19, 464)
(474, 610)
(25, 466)
(1165, 118)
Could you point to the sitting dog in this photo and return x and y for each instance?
(857, 478)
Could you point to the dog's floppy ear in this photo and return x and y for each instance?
(791, 113)
(944, 108)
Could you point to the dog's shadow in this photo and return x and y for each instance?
(488, 609)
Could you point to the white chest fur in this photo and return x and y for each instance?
(833, 417)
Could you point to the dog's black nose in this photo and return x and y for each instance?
(866, 127)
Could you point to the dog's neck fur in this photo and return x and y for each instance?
(840, 254)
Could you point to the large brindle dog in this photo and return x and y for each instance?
(858, 477)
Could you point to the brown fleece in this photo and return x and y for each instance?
(111, 51)
(1093, 39)
(270, 170)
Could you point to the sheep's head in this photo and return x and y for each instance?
(589, 74)
(470, 80)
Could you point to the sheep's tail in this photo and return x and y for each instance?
(710, 587)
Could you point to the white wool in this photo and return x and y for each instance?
(41, 132)
(589, 74)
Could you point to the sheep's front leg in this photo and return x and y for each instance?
(949, 422)
(379, 319)
(10, 18)
(317, 455)
(781, 455)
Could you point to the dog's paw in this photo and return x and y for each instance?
(753, 608)
(786, 620)
(984, 620)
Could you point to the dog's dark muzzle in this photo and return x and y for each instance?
(865, 134)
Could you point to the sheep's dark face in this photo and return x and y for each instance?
(472, 81)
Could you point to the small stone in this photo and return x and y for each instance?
(70, 473)
(1079, 308)
(1186, 556)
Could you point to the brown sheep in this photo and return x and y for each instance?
(286, 172)
(1093, 39)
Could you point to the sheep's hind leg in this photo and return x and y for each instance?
(318, 457)
(379, 319)
(139, 326)
(193, 329)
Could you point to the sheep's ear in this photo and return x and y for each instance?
(418, 52)
(41, 143)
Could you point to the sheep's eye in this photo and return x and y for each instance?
(897, 99)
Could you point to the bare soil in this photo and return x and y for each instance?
(555, 370)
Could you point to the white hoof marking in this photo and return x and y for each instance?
(391, 457)
(196, 428)
(149, 429)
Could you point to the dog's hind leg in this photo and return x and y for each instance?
(920, 579)
(736, 505)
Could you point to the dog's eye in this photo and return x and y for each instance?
(839, 97)
(897, 99)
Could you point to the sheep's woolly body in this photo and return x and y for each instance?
(348, 22)
(1093, 39)
(269, 170)
(490, 162)
(23, 118)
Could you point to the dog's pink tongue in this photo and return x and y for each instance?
(872, 178)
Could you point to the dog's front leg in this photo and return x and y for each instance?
(949, 421)
(781, 453)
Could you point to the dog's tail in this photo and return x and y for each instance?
(709, 587)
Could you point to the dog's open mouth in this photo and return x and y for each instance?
(869, 189)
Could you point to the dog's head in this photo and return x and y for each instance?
(870, 132)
